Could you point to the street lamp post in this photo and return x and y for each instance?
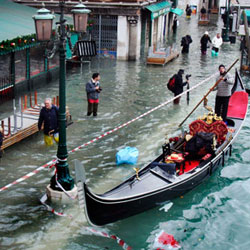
(43, 22)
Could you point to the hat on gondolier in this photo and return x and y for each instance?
(206, 32)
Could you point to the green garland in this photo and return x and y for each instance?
(22, 42)
(18, 43)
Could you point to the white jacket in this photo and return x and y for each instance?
(217, 42)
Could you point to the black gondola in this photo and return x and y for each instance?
(173, 173)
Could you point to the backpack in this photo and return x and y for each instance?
(200, 144)
(171, 83)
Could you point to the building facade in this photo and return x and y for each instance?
(122, 29)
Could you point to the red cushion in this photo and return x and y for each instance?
(218, 127)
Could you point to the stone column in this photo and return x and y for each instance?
(122, 38)
(134, 40)
(160, 31)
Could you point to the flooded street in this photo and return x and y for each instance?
(215, 215)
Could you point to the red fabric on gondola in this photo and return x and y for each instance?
(218, 127)
(189, 165)
(198, 126)
(237, 106)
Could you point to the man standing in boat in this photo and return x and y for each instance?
(93, 89)
(223, 92)
(49, 118)
(179, 84)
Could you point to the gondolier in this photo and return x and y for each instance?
(223, 92)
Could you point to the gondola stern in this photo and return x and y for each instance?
(80, 179)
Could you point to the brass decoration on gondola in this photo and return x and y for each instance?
(137, 174)
(210, 118)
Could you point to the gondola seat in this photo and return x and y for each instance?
(219, 128)
(169, 168)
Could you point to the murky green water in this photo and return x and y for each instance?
(215, 215)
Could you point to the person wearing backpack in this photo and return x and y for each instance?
(179, 84)
(185, 42)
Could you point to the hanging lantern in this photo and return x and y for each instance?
(43, 23)
(80, 16)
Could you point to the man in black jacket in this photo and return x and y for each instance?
(179, 84)
(49, 118)
(204, 41)
(185, 42)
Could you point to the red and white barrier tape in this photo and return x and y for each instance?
(103, 234)
(52, 210)
(114, 237)
(52, 163)
(67, 193)
(25, 177)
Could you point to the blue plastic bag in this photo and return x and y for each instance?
(127, 155)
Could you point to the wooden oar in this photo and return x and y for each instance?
(208, 92)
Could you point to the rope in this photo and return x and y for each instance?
(53, 162)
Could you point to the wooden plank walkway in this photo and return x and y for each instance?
(162, 60)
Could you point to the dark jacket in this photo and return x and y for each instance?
(50, 119)
(188, 11)
(175, 24)
(185, 42)
(92, 93)
(203, 10)
(204, 40)
(1, 139)
(179, 84)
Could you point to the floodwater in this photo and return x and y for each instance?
(215, 215)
